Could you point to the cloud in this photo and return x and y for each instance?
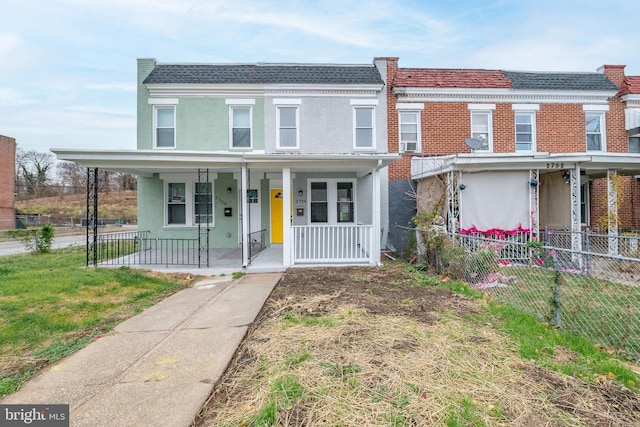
(12, 98)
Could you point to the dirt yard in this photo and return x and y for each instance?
(369, 347)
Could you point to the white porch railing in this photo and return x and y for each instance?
(332, 243)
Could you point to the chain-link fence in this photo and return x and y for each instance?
(594, 293)
(26, 221)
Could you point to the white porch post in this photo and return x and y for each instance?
(245, 217)
(576, 236)
(374, 256)
(287, 244)
(612, 210)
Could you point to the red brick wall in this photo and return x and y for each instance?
(7, 182)
(628, 203)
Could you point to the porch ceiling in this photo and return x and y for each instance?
(592, 164)
(148, 162)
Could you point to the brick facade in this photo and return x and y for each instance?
(559, 128)
(7, 183)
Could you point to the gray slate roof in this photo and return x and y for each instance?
(559, 81)
(264, 74)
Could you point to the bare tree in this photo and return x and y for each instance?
(34, 168)
(72, 176)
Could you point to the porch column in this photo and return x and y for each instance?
(576, 231)
(286, 217)
(245, 217)
(534, 208)
(612, 211)
(374, 256)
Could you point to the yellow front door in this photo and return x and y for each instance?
(276, 217)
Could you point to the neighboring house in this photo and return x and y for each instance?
(7, 183)
(505, 152)
(289, 156)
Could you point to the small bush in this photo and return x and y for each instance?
(45, 239)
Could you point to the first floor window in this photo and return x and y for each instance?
(524, 131)
(345, 202)
(203, 203)
(481, 128)
(363, 123)
(188, 203)
(584, 203)
(319, 202)
(176, 203)
(332, 201)
(595, 135)
(165, 127)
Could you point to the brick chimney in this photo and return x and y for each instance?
(615, 73)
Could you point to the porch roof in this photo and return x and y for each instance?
(148, 162)
(592, 164)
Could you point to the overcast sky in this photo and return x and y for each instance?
(68, 67)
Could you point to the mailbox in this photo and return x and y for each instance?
(228, 212)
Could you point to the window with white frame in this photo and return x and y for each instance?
(287, 126)
(164, 126)
(584, 203)
(594, 127)
(203, 202)
(240, 126)
(339, 193)
(409, 124)
(188, 202)
(364, 130)
(482, 125)
(525, 122)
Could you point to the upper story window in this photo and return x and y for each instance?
(364, 121)
(287, 123)
(595, 136)
(594, 127)
(165, 126)
(525, 124)
(634, 144)
(409, 123)
(482, 125)
(240, 120)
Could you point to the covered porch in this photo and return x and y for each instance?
(267, 211)
(525, 194)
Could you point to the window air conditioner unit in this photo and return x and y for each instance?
(410, 146)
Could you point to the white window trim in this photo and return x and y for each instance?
(189, 198)
(490, 126)
(163, 101)
(525, 107)
(155, 124)
(409, 106)
(603, 131)
(297, 109)
(332, 200)
(533, 130)
(488, 107)
(419, 133)
(232, 106)
(373, 126)
(287, 101)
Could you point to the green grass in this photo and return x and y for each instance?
(50, 306)
(535, 339)
(605, 311)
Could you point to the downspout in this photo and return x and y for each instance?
(245, 215)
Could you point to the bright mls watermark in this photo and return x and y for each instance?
(34, 415)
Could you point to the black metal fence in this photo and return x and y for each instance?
(26, 221)
(257, 243)
(138, 248)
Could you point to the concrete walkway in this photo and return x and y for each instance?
(159, 367)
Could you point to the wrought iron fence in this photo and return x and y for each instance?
(591, 293)
(26, 221)
(138, 248)
(257, 242)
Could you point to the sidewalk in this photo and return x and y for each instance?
(159, 367)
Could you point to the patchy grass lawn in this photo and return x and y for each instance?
(51, 306)
(390, 346)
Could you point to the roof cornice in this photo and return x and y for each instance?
(163, 90)
(501, 95)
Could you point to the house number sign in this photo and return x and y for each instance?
(555, 165)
